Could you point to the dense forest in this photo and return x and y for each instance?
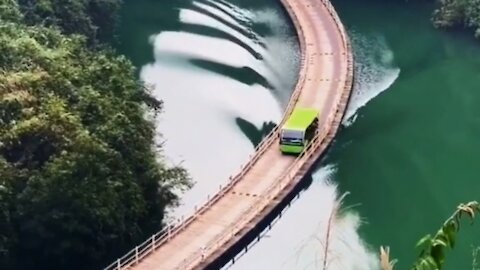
(458, 13)
(81, 180)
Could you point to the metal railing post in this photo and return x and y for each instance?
(136, 255)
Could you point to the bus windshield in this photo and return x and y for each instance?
(292, 136)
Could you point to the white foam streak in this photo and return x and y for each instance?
(375, 72)
(199, 123)
(298, 240)
(243, 15)
(202, 43)
(270, 17)
(195, 17)
(225, 16)
(200, 107)
(204, 47)
(283, 53)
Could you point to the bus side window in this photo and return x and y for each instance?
(310, 132)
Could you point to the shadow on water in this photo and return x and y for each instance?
(141, 19)
(245, 75)
(244, 31)
(256, 135)
(216, 33)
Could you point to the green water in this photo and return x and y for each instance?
(413, 155)
(143, 18)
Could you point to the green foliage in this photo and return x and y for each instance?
(96, 19)
(458, 13)
(475, 255)
(433, 248)
(9, 11)
(80, 179)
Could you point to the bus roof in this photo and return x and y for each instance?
(300, 118)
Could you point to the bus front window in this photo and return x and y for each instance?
(292, 137)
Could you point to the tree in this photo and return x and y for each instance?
(95, 19)
(9, 11)
(452, 13)
(81, 180)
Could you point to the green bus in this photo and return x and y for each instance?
(298, 130)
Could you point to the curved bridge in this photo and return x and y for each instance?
(325, 82)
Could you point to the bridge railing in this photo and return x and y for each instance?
(319, 143)
(235, 226)
(157, 240)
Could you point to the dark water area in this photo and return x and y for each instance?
(413, 153)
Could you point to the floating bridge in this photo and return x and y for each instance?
(324, 82)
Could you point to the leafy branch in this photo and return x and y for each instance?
(433, 248)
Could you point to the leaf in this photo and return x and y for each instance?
(469, 211)
(425, 241)
(438, 254)
(426, 263)
(439, 242)
(451, 232)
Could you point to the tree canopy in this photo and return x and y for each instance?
(95, 19)
(454, 13)
(81, 180)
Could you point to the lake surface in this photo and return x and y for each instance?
(408, 152)
(412, 155)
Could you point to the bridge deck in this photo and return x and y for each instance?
(323, 79)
